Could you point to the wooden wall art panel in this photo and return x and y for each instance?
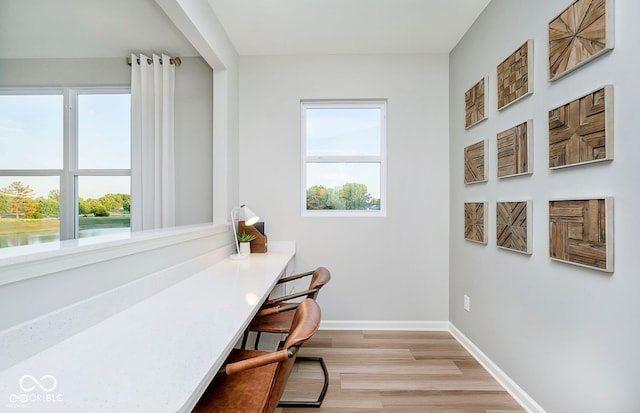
(581, 232)
(515, 154)
(582, 130)
(475, 162)
(475, 221)
(515, 76)
(582, 32)
(512, 226)
(475, 103)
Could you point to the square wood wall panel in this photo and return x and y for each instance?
(582, 130)
(475, 162)
(512, 226)
(582, 32)
(581, 232)
(475, 221)
(515, 154)
(515, 76)
(475, 103)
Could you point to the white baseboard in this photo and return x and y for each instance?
(501, 377)
(385, 325)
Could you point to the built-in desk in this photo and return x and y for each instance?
(156, 356)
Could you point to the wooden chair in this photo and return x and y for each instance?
(276, 316)
(253, 381)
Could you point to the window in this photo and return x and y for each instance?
(343, 158)
(65, 164)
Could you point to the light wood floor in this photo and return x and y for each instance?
(395, 372)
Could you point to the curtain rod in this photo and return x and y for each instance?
(175, 60)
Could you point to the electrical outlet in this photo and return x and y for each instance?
(467, 303)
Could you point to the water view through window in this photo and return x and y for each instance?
(44, 194)
(27, 216)
(104, 205)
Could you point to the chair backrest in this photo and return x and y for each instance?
(320, 277)
(305, 323)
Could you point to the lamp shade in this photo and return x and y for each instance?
(249, 217)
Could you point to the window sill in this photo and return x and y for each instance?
(29, 261)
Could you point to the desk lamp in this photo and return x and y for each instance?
(238, 214)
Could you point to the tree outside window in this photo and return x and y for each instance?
(344, 158)
(58, 182)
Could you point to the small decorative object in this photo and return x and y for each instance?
(475, 102)
(515, 75)
(259, 242)
(475, 221)
(515, 156)
(582, 130)
(475, 162)
(512, 226)
(581, 232)
(245, 242)
(582, 32)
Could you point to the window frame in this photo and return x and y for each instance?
(380, 159)
(68, 175)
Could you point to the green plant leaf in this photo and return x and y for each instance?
(244, 237)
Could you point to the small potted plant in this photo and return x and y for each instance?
(244, 239)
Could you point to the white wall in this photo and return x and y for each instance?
(567, 335)
(378, 276)
(194, 143)
(64, 72)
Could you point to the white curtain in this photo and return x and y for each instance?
(152, 168)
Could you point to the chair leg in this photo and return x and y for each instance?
(245, 336)
(318, 402)
(255, 346)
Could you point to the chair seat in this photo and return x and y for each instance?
(273, 323)
(246, 391)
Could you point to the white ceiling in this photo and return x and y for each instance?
(281, 27)
(87, 28)
(115, 28)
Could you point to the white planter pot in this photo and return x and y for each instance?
(245, 248)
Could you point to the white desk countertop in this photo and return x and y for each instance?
(157, 356)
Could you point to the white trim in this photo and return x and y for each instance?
(222, 158)
(380, 159)
(385, 325)
(501, 377)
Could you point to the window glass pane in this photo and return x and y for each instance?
(29, 210)
(343, 186)
(31, 131)
(104, 131)
(103, 205)
(343, 131)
